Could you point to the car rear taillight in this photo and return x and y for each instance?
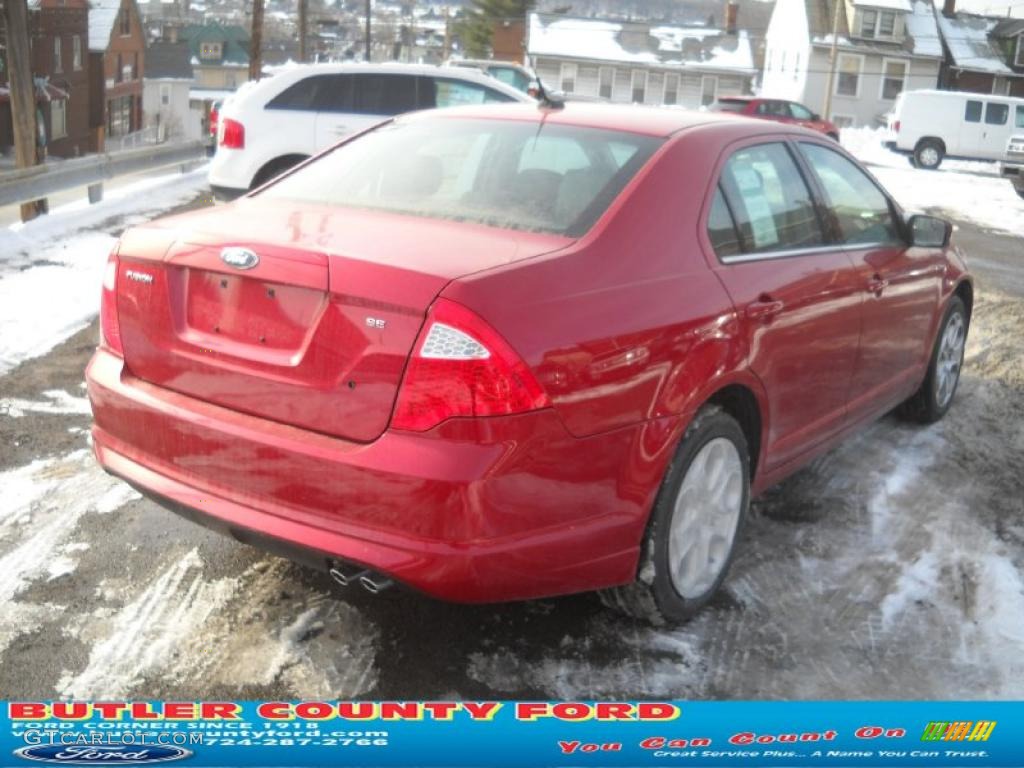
(460, 366)
(110, 326)
(232, 134)
(896, 126)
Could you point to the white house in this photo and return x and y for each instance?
(165, 92)
(640, 63)
(883, 47)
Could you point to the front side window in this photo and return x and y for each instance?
(383, 94)
(800, 112)
(1020, 117)
(972, 114)
(997, 114)
(861, 212)
(848, 79)
(456, 93)
(509, 174)
(893, 78)
(770, 201)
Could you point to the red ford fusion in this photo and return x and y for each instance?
(506, 352)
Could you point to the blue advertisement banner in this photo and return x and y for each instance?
(508, 733)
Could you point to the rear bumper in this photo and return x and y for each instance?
(474, 511)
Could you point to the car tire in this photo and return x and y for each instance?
(275, 168)
(711, 467)
(1019, 186)
(928, 154)
(935, 396)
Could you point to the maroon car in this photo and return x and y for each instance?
(506, 352)
(779, 110)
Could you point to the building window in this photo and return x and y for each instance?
(671, 89)
(126, 22)
(877, 24)
(118, 69)
(135, 66)
(848, 78)
(1019, 59)
(568, 78)
(119, 116)
(708, 90)
(165, 94)
(58, 60)
(76, 52)
(868, 20)
(210, 51)
(606, 77)
(894, 74)
(58, 119)
(639, 86)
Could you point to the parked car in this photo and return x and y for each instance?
(779, 110)
(507, 352)
(1012, 165)
(508, 72)
(270, 126)
(930, 126)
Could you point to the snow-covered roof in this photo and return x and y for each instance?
(969, 45)
(891, 5)
(102, 17)
(922, 28)
(633, 43)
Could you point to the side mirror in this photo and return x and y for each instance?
(929, 231)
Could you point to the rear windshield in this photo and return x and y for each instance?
(516, 175)
(729, 105)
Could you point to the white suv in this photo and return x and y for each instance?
(270, 126)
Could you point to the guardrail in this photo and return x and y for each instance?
(39, 181)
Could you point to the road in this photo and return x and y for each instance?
(890, 568)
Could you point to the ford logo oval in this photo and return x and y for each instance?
(101, 755)
(239, 258)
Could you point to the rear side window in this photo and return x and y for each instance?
(1020, 117)
(729, 105)
(383, 94)
(303, 95)
(721, 228)
(770, 201)
(800, 112)
(996, 114)
(972, 114)
(862, 213)
(442, 92)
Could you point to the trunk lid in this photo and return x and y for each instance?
(317, 332)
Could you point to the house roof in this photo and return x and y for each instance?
(639, 43)
(970, 47)
(168, 61)
(233, 39)
(891, 5)
(1008, 28)
(922, 37)
(102, 17)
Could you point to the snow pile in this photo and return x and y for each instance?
(51, 267)
(961, 189)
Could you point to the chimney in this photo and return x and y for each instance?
(949, 9)
(732, 12)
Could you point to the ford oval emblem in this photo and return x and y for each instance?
(102, 755)
(239, 258)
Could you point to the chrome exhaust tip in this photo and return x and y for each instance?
(348, 574)
(374, 583)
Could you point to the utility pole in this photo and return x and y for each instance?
(303, 53)
(256, 41)
(447, 50)
(23, 91)
(368, 10)
(826, 111)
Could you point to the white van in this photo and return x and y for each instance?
(271, 125)
(932, 125)
(1012, 166)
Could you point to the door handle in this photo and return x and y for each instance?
(764, 309)
(877, 284)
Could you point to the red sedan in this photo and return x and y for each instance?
(779, 110)
(507, 352)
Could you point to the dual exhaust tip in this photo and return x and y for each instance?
(371, 581)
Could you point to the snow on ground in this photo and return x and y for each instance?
(51, 267)
(966, 190)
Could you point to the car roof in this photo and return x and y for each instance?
(628, 118)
